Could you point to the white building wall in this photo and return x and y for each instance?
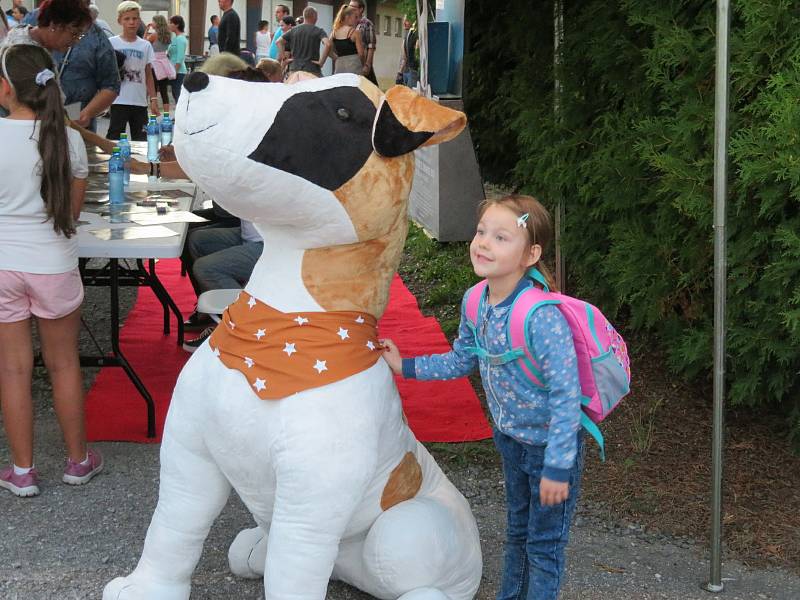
(389, 31)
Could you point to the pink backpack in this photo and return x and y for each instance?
(603, 364)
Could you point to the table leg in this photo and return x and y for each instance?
(117, 352)
(166, 300)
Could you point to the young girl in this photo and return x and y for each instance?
(535, 430)
(263, 40)
(43, 169)
(348, 46)
(177, 53)
(164, 72)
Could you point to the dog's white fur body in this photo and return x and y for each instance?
(311, 468)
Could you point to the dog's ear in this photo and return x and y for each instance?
(406, 121)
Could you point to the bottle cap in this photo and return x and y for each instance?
(123, 136)
(115, 149)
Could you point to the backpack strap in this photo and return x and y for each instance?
(474, 296)
(522, 310)
(594, 431)
(474, 299)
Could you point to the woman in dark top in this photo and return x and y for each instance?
(348, 48)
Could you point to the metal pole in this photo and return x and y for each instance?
(720, 276)
(558, 40)
(422, 31)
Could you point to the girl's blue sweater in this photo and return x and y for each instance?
(520, 409)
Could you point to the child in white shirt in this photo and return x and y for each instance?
(43, 170)
(138, 90)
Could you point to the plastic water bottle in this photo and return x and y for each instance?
(125, 153)
(116, 179)
(153, 138)
(166, 130)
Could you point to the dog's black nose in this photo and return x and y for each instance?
(195, 81)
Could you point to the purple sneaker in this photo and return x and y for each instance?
(20, 485)
(76, 473)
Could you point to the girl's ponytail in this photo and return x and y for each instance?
(29, 70)
(56, 169)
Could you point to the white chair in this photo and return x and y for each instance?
(214, 302)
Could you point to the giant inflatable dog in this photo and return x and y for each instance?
(290, 403)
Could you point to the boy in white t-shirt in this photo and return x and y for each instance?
(138, 90)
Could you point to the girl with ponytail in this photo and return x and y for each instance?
(43, 169)
(536, 429)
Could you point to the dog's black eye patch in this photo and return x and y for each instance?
(324, 137)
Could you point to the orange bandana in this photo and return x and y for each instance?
(284, 353)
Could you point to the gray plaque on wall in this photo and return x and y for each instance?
(447, 187)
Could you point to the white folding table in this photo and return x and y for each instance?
(95, 217)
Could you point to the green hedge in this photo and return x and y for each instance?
(632, 156)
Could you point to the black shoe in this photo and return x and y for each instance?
(192, 345)
(197, 321)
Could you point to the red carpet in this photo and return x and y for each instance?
(441, 411)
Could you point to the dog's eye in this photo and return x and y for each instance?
(343, 114)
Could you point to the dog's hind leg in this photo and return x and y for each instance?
(420, 549)
(192, 493)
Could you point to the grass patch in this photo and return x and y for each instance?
(442, 272)
(481, 453)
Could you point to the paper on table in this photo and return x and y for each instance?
(134, 233)
(175, 216)
(170, 194)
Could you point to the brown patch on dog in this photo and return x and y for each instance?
(377, 193)
(356, 276)
(405, 480)
(419, 114)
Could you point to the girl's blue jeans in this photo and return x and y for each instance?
(536, 535)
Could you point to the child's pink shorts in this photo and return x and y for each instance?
(45, 296)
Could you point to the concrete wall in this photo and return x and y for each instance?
(389, 30)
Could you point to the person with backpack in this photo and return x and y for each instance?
(537, 428)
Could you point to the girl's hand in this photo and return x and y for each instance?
(139, 168)
(392, 356)
(552, 492)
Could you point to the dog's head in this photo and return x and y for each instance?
(329, 160)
